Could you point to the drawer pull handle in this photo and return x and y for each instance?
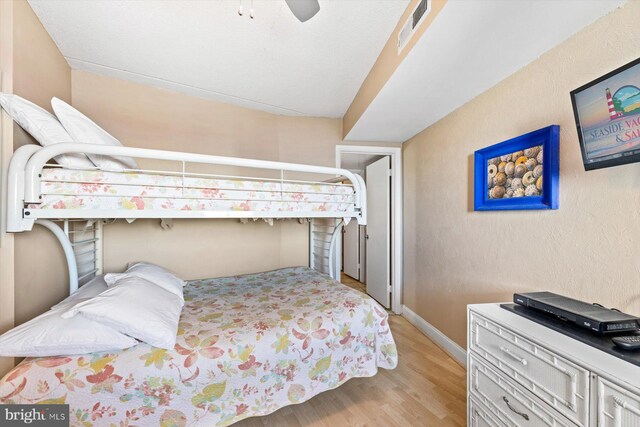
(513, 356)
(522, 414)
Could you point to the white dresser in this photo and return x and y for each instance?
(520, 373)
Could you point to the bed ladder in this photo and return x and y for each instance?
(324, 242)
(81, 241)
(86, 240)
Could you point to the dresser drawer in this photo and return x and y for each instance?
(557, 381)
(509, 401)
(479, 416)
(617, 407)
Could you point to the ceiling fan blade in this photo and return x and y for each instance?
(303, 9)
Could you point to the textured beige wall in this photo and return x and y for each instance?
(386, 64)
(32, 271)
(7, 295)
(149, 117)
(143, 116)
(207, 248)
(39, 73)
(588, 249)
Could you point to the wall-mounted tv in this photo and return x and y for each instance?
(607, 113)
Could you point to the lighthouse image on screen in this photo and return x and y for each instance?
(609, 117)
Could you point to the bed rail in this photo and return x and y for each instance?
(28, 162)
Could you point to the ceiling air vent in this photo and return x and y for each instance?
(415, 19)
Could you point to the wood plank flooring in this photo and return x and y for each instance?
(353, 283)
(428, 388)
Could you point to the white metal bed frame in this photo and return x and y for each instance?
(24, 191)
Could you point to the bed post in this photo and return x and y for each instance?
(15, 189)
(68, 251)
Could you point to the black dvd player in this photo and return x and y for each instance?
(596, 318)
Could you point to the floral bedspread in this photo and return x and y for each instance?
(247, 345)
(80, 189)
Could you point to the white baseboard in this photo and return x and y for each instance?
(443, 341)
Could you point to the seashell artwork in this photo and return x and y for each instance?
(521, 173)
(531, 190)
(516, 183)
(520, 170)
(517, 174)
(530, 164)
(537, 171)
(510, 168)
(520, 160)
(531, 152)
(518, 193)
(497, 192)
(528, 179)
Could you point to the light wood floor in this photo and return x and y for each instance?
(426, 389)
(353, 283)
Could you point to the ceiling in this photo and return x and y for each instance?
(470, 47)
(204, 48)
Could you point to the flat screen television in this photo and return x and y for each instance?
(607, 113)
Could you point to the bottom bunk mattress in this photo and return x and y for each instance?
(247, 346)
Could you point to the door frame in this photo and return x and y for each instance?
(396, 211)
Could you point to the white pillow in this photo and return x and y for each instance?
(52, 335)
(154, 274)
(171, 273)
(94, 287)
(136, 307)
(83, 130)
(44, 127)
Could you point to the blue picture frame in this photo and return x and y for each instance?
(549, 138)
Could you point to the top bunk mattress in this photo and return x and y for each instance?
(246, 346)
(101, 190)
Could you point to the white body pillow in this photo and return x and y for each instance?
(92, 288)
(154, 274)
(84, 130)
(52, 335)
(44, 127)
(135, 307)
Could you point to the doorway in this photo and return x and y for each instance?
(372, 254)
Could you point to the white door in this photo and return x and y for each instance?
(379, 231)
(351, 267)
(363, 253)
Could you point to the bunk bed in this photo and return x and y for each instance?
(247, 345)
(39, 192)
